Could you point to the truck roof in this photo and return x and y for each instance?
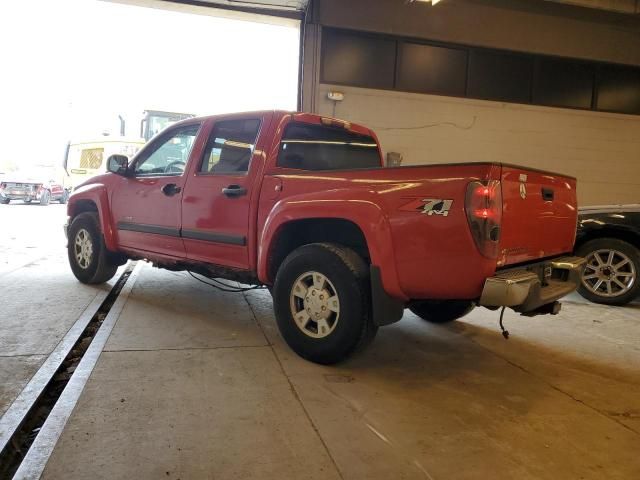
(301, 116)
(280, 113)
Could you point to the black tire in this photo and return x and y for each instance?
(27, 200)
(45, 197)
(348, 275)
(98, 268)
(631, 270)
(64, 198)
(441, 311)
(5, 201)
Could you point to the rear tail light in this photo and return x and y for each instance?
(483, 204)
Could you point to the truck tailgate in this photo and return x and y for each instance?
(539, 215)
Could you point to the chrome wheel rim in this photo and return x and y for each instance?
(315, 305)
(608, 273)
(83, 248)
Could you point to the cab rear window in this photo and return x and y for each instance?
(316, 147)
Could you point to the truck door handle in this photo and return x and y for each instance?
(170, 189)
(547, 194)
(234, 191)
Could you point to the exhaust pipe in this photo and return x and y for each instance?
(122, 125)
(552, 308)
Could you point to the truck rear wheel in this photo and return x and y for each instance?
(321, 298)
(88, 256)
(441, 311)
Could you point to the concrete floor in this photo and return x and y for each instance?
(194, 383)
(39, 298)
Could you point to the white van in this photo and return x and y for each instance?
(88, 158)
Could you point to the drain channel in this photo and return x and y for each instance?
(16, 449)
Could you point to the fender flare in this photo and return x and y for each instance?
(97, 194)
(360, 209)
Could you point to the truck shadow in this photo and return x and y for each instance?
(415, 356)
(474, 362)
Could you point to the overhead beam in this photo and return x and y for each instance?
(531, 26)
(631, 7)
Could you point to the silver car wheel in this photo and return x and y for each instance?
(315, 305)
(609, 273)
(83, 248)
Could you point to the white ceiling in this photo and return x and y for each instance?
(292, 5)
(275, 12)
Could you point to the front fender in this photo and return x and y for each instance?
(95, 193)
(359, 208)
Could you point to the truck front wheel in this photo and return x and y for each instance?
(321, 298)
(441, 311)
(88, 256)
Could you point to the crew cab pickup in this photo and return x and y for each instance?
(303, 205)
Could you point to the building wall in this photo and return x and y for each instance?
(601, 149)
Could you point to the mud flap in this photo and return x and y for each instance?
(385, 309)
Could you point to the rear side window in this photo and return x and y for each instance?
(315, 147)
(230, 146)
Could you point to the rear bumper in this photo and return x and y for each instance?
(528, 288)
(12, 196)
(21, 194)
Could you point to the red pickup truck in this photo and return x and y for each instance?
(303, 205)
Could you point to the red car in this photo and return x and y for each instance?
(32, 185)
(303, 204)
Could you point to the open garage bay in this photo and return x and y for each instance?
(360, 163)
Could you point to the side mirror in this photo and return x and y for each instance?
(118, 164)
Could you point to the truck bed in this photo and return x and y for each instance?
(435, 254)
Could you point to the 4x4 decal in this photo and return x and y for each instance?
(429, 206)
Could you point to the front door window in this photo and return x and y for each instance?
(171, 156)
